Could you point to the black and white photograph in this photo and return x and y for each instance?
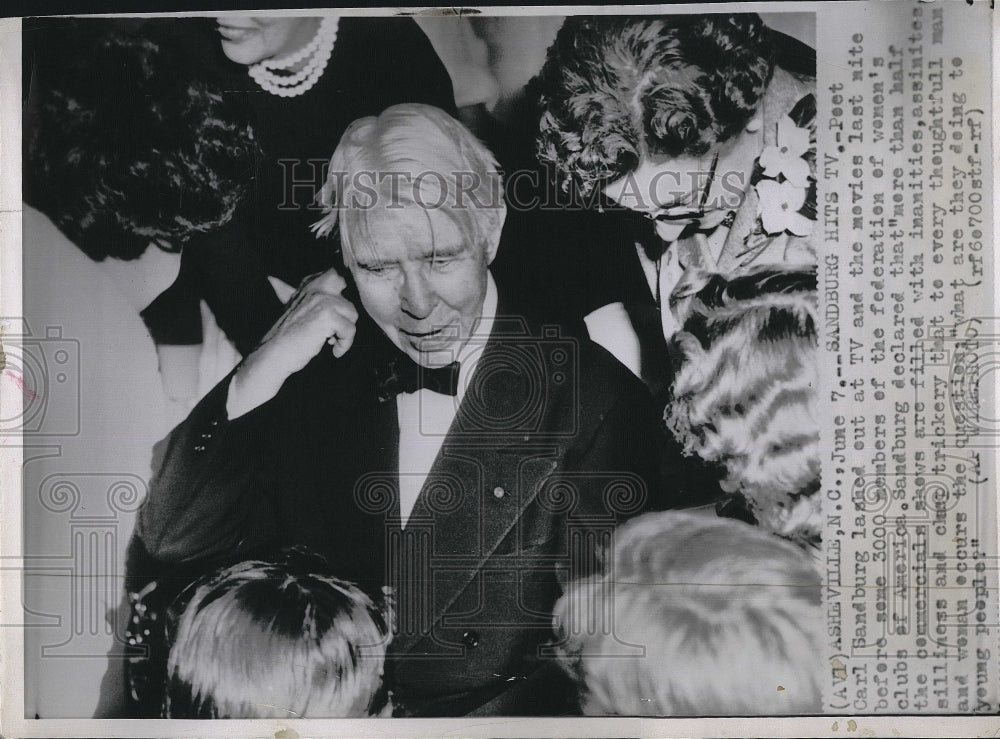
(548, 363)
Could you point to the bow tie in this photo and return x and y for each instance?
(400, 374)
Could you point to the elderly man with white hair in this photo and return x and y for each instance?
(411, 425)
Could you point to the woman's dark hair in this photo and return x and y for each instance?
(615, 88)
(128, 144)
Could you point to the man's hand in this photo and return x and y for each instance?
(316, 314)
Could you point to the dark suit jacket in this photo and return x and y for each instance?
(554, 444)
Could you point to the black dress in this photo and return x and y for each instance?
(376, 63)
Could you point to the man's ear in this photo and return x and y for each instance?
(497, 219)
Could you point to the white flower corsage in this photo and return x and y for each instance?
(779, 208)
(785, 157)
(784, 181)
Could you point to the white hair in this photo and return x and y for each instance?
(263, 640)
(746, 394)
(418, 157)
(702, 616)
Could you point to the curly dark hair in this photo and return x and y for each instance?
(129, 145)
(614, 88)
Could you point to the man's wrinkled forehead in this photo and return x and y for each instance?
(392, 233)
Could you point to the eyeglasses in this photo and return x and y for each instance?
(686, 213)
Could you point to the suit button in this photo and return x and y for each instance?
(199, 447)
(499, 492)
(471, 639)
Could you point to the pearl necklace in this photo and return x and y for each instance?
(317, 53)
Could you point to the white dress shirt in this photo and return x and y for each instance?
(426, 416)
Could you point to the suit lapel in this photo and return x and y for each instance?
(486, 473)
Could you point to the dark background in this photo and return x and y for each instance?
(12, 8)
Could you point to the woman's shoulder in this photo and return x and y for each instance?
(390, 60)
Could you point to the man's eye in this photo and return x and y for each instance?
(440, 262)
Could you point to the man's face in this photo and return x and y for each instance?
(421, 280)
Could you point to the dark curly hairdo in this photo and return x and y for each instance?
(130, 146)
(615, 88)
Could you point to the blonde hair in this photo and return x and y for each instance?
(411, 155)
(707, 616)
(745, 395)
(271, 640)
